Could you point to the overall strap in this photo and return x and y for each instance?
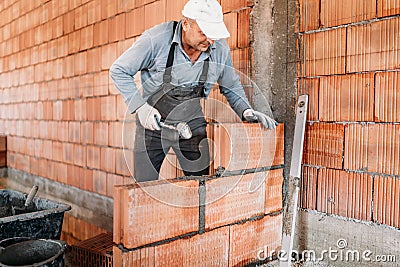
(203, 76)
(170, 60)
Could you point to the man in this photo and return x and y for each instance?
(179, 63)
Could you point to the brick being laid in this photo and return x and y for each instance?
(384, 148)
(347, 98)
(373, 46)
(248, 239)
(234, 198)
(322, 53)
(386, 201)
(308, 190)
(169, 206)
(356, 147)
(247, 145)
(339, 12)
(387, 96)
(388, 7)
(345, 194)
(323, 145)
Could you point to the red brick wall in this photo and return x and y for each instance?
(349, 65)
(63, 117)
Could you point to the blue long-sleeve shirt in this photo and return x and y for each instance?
(149, 55)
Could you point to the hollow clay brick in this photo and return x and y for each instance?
(156, 210)
(234, 198)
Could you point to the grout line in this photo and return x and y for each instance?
(358, 23)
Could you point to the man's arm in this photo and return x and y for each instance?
(122, 71)
(231, 87)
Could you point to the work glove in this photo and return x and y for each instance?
(148, 117)
(251, 115)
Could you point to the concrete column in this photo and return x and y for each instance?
(274, 51)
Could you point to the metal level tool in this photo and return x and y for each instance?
(290, 212)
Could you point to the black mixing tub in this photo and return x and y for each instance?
(42, 219)
(21, 251)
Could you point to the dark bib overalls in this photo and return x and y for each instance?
(175, 104)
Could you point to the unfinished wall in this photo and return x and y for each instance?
(348, 65)
(65, 122)
(226, 220)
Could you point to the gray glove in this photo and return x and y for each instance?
(251, 115)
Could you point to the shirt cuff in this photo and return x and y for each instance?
(135, 103)
(241, 107)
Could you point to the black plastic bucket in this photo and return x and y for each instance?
(43, 218)
(23, 251)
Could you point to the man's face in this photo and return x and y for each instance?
(194, 37)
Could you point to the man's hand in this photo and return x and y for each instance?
(147, 116)
(251, 115)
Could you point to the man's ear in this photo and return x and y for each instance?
(185, 24)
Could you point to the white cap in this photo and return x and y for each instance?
(209, 17)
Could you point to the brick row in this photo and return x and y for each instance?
(323, 145)
(309, 15)
(345, 194)
(75, 230)
(386, 202)
(356, 147)
(373, 148)
(229, 6)
(174, 10)
(323, 53)
(387, 97)
(234, 198)
(72, 168)
(339, 12)
(235, 245)
(347, 98)
(253, 239)
(373, 46)
(227, 200)
(308, 189)
(231, 22)
(310, 87)
(388, 7)
(384, 148)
